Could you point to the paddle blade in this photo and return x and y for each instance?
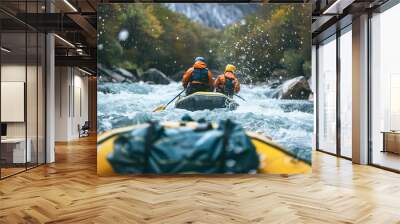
(160, 108)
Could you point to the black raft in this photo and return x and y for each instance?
(204, 149)
(205, 100)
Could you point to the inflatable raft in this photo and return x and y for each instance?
(205, 100)
(273, 159)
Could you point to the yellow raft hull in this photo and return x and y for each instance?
(274, 159)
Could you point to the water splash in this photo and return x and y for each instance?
(288, 122)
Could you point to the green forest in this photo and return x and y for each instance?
(274, 42)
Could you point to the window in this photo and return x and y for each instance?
(385, 89)
(327, 96)
(346, 93)
(22, 77)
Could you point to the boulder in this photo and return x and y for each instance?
(155, 76)
(115, 75)
(296, 88)
(104, 74)
(126, 74)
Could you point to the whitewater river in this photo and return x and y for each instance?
(288, 122)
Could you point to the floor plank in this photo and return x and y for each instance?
(69, 191)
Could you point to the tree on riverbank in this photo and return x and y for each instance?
(274, 41)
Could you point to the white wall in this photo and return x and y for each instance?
(71, 102)
(81, 104)
(16, 73)
(61, 103)
(12, 73)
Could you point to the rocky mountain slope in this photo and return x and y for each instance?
(214, 15)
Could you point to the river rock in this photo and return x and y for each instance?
(117, 75)
(126, 74)
(104, 74)
(296, 88)
(155, 76)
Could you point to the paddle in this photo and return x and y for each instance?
(163, 107)
(240, 97)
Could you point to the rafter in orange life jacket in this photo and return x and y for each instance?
(221, 82)
(198, 74)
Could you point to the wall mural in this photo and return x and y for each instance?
(204, 88)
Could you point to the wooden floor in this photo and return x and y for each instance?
(10, 171)
(70, 192)
(386, 159)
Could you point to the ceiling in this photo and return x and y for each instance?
(74, 21)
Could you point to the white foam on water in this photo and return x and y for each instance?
(287, 122)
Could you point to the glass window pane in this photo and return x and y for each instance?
(13, 86)
(346, 94)
(23, 86)
(327, 96)
(31, 97)
(32, 87)
(41, 98)
(385, 89)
